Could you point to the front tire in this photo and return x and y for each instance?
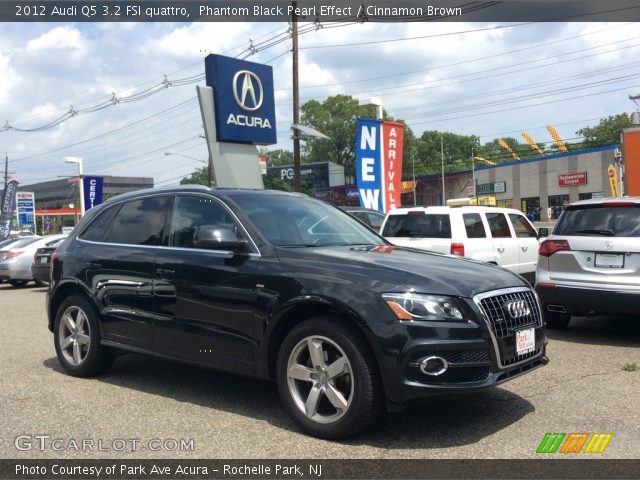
(77, 339)
(18, 283)
(556, 320)
(328, 380)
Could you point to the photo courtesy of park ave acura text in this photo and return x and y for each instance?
(320, 239)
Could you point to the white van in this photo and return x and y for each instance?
(503, 236)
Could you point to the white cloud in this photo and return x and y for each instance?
(10, 79)
(58, 38)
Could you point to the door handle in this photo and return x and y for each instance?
(94, 265)
(165, 271)
(500, 249)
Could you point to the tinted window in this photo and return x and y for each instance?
(194, 211)
(498, 225)
(427, 225)
(374, 220)
(522, 226)
(290, 221)
(618, 221)
(140, 222)
(96, 230)
(473, 225)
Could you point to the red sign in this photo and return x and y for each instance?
(570, 179)
(392, 142)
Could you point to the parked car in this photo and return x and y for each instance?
(591, 262)
(41, 266)
(15, 264)
(371, 218)
(281, 286)
(16, 242)
(502, 236)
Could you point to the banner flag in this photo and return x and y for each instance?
(6, 209)
(92, 191)
(379, 163)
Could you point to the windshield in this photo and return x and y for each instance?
(604, 220)
(290, 221)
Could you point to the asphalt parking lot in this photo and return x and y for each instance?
(583, 389)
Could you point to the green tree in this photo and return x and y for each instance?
(457, 151)
(336, 117)
(198, 177)
(607, 132)
(277, 157)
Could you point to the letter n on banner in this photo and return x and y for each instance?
(369, 163)
(392, 142)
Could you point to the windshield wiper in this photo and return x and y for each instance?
(595, 231)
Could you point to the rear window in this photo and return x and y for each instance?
(611, 221)
(428, 226)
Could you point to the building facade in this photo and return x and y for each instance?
(540, 187)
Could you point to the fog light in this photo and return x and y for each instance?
(434, 366)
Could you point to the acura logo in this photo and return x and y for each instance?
(517, 308)
(608, 245)
(247, 90)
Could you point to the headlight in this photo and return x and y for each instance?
(415, 306)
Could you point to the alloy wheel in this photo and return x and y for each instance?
(74, 335)
(320, 379)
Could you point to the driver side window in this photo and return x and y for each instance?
(193, 211)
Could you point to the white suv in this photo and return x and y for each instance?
(503, 236)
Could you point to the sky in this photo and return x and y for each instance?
(133, 84)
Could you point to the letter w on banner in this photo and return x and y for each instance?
(379, 163)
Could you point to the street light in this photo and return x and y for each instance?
(78, 160)
(209, 169)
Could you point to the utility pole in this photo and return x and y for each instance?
(296, 100)
(442, 162)
(6, 170)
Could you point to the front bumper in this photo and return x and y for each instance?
(479, 353)
(588, 301)
(471, 366)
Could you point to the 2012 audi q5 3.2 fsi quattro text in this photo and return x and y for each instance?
(281, 286)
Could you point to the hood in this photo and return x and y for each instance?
(392, 268)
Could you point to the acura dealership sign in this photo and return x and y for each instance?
(243, 100)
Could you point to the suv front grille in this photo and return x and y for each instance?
(502, 322)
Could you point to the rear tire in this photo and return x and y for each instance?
(556, 320)
(328, 379)
(41, 283)
(76, 337)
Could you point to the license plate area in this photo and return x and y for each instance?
(525, 341)
(609, 260)
(43, 259)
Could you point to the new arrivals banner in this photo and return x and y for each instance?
(6, 209)
(92, 191)
(379, 163)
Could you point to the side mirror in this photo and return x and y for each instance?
(543, 232)
(217, 237)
